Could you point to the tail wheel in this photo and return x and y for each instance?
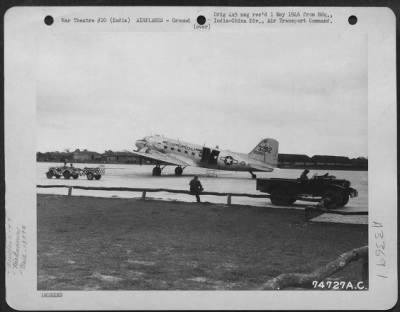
(49, 174)
(67, 175)
(333, 199)
(97, 177)
(178, 171)
(89, 176)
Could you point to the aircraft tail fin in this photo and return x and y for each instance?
(266, 151)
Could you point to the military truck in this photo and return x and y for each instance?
(68, 172)
(331, 192)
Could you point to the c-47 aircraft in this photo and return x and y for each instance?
(165, 151)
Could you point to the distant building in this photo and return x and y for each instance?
(328, 158)
(293, 158)
(321, 162)
(121, 157)
(54, 156)
(86, 156)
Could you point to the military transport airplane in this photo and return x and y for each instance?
(166, 151)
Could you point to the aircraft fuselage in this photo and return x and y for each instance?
(202, 156)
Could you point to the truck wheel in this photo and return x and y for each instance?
(57, 176)
(75, 176)
(332, 199)
(280, 197)
(97, 177)
(66, 175)
(89, 176)
(49, 174)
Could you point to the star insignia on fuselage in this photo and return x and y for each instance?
(228, 160)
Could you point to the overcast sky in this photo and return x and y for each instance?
(106, 90)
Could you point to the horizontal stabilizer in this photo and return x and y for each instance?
(257, 167)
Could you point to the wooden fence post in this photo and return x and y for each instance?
(70, 191)
(229, 199)
(144, 195)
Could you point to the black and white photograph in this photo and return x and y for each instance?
(213, 150)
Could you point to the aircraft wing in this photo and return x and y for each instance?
(167, 159)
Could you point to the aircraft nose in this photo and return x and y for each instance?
(140, 144)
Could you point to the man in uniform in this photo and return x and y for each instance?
(304, 177)
(196, 188)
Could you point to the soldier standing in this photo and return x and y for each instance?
(196, 188)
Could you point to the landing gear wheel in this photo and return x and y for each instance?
(178, 171)
(89, 176)
(333, 199)
(66, 175)
(49, 174)
(156, 171)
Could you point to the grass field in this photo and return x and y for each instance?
(88, 243)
